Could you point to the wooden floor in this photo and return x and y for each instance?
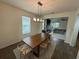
(57, 50)
(64, 51)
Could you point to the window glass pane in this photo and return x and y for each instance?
(26, 25)
(55, 25)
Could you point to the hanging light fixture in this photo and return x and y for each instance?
(39, 19)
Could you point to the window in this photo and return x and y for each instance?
(26, 25)
(55, 25)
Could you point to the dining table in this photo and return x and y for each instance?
(35, 41)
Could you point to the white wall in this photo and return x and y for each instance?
(10, 24)
(70, 24)
(77, 57)
(75, 30)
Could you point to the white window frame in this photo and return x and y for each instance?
(23, 25)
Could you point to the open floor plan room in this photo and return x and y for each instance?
(39, 29)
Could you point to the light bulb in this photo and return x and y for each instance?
(34, 19)
(37, 19)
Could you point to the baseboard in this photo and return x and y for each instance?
(6, 45)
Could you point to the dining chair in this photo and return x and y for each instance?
(44, 47)
(45, 44)
(24, 50)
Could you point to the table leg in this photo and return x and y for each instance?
(37, 54)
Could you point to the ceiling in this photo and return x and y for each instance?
(49, 6)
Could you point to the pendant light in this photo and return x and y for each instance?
(39, 19)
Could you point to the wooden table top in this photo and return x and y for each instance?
(36, 40)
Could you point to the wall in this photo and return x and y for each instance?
(10, 24)
(75, 30)
(70, 24)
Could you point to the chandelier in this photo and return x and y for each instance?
(39, 19)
